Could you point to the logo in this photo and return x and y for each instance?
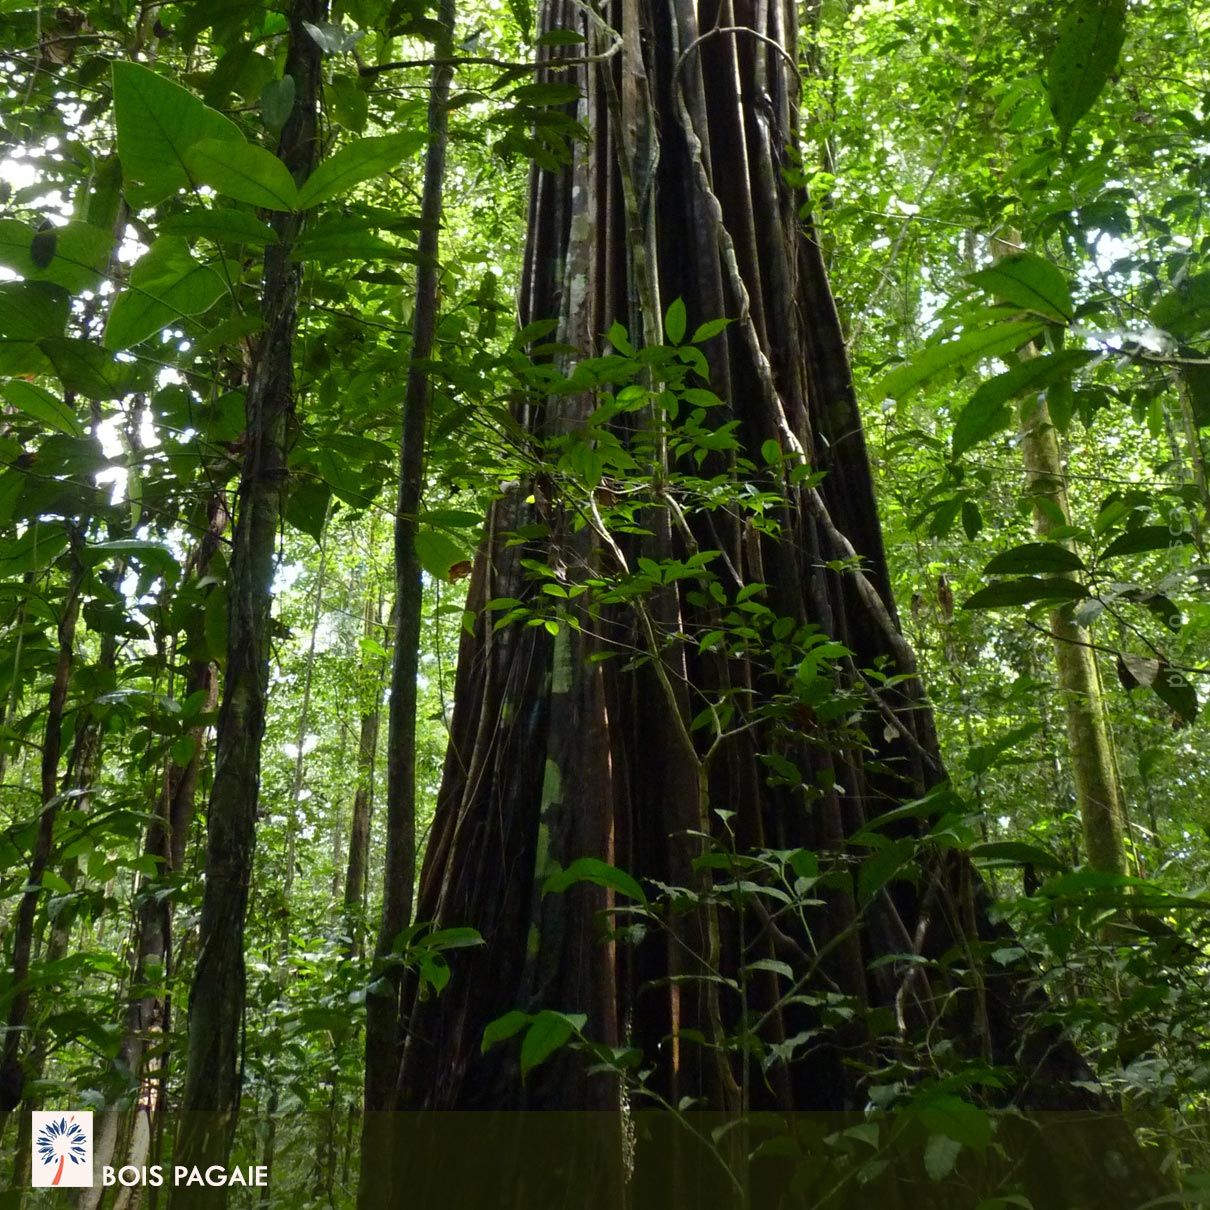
(62, 1149)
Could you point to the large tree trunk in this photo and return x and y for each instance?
(554, 757)
(683, 191)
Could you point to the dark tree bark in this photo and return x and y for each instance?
(680, 193)
(383, 1006)
(216, 1001)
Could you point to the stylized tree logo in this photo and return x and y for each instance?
(61, 1139)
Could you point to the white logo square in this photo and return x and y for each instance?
(62, 1145)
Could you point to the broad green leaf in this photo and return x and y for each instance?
(971, 347)
(1145, 538)
(972, 519)
(883, 865)
(42, 406)
(1015, 852)
(940, 1155)
(276, 102)
(1024, 592)
(91, 371)
(244, 172)
(158, 122)
(307, 505)
(1030, 282)
(437, 553)
(451, 939)
(143, 551)
(1034, 557)
(32, 310)
(504, 1027)
(549, 1031)
(619, 338)
(711, 328)
(73, 256)
(988, 412)
(359, 161)
(982, 757)
(1176, 693)
(220, 226)
(770, 964)
(29, 312)
(592, 869)
(1090, 40)
(956, 1119)
(166, 284)
(675, 322)
(35, 549)
(1185, 310)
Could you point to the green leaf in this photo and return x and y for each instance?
(882, 866)
(451, 939)
(504, 1027)
(220, 226)
(940, 1155)
(675, 322)
(1145, 538)
(982, 757)
(592, 869)
(166, 284)
(244, 172)
(183, 750)
(1184, 311)
(1035, 557)
(1176, 693)
(438, 552)
(1030, 282)
(359, 161)
(1090, 40)
(1024, 592)
(770, 964)
(35, 549)
(307, 505)
(972, 519)
(276, 102)
(74, 256)
(987, 412)
(1015, 852)
(550, 1031)
(158, 122)
(970, 347)
(90, 371)
(712, 327)
(32, 310)
(29, 312)
(40, 405)
(620, 339)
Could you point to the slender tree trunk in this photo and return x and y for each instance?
(300, 738)
(12, 1066)
(369, 694)
(383, 1009)
(216, 1003)
(1089, 742)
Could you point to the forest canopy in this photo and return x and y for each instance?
(629, 556)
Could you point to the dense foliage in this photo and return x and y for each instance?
(1010, 198)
